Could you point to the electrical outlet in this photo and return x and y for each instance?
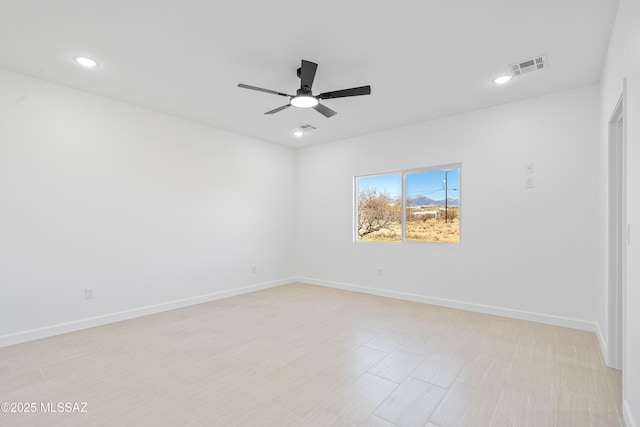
(88, 293)
(380, 272)
(254, 270)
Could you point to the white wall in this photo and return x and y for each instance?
(537, 253)
(150, 211)
(154, 212)
(623, 61)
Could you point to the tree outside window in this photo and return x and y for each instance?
(421, 205)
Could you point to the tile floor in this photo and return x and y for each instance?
(301, 355)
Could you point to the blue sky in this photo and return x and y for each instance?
(427, 183)
(388, 184)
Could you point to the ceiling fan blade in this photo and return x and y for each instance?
(307, 74)
(325, 111)
(284, 107)
(242, 85)
(362, 90)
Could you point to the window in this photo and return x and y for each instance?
(422, 205)
(379, 207)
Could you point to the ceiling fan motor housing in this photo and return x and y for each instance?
(304, 89)
(304, 98)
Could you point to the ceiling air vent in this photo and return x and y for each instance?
(302, 129)
(538, 63)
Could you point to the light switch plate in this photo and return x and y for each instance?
(529, 168)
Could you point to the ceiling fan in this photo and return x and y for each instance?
(304, 98)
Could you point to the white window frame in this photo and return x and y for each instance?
(403, 196)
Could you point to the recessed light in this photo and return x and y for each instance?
(301, 130)
(500, 80)
(86, 61)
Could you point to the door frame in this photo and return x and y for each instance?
(618, 235)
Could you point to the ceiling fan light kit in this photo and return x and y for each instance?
(304, 101)
(304, 98)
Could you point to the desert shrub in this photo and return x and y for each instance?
(377, 212)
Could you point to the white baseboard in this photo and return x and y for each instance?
(604, 346)
(549, 319)
(63, 328)
(628, 416)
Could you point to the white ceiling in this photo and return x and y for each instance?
(423, 58)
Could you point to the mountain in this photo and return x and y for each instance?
(420, 201)
(451, 202)
(425, 201)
